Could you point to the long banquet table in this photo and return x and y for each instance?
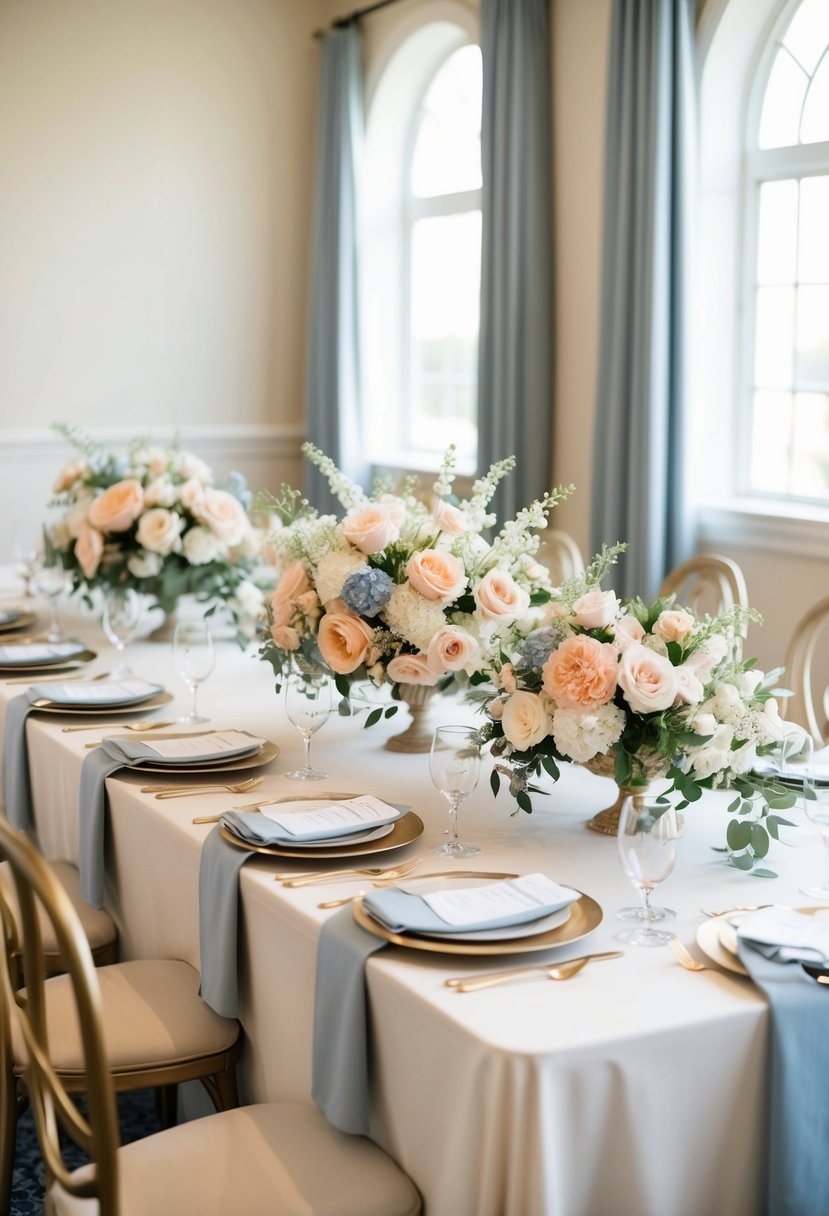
(636, 1088)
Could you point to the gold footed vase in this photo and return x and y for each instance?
(417, 737)
(607, 821)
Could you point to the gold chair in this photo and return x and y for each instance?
(707, 583)
(802, 706)
(560, 554)
(153, 1030)
(266, 1160)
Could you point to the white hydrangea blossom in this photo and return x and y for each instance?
(200, 546)
(412, 617)
(581, 736)
(333, 570)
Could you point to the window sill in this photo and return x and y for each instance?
(779, 528)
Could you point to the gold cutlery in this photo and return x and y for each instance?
(102, 675)
(392, 872)
(685, 958)
(142, 726)
(257, 806)
(386, 882)
(179, 791)
(735, 908)
(553, 971)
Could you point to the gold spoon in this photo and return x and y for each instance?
(553, 971)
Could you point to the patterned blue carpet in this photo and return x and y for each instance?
(137, 1116)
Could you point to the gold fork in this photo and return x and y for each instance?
(391, 872)
(553, 971)
(102, 675)
(180, 791)
(684, 957)
(143, 726)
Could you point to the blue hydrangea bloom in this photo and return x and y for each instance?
(237, 485)
(537, 646)
(367, 590)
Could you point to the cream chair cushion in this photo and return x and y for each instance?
(98, 925)
(269, 1160)
(152, 1016)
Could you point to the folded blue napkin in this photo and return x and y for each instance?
(36, 654)
(402, 912)
(798, 1115)
(134, 752)
(17, 789)
(256, 828)
(97, 766)
(92, 693)
(340, 1081)
(219, 923)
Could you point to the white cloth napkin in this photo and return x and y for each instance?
(786, 936)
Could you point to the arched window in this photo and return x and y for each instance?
(421, 250)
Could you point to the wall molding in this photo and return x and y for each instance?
(256, 441)
(786, 533)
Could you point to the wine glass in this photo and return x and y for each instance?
(51, 581)
(28, 555)
(120, 619)
(649, 829)
(194, 658)
(797, 769)
(454, 764)
(309, 700)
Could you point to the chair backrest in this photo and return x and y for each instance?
(560, 554)
(53, 1108)
(707, 583)
(801, 707)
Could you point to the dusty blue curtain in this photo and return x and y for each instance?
(333, 382)
(516, 334)
(640, 442)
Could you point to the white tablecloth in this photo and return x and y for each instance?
(636, 1088)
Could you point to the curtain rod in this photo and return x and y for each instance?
(342, 23)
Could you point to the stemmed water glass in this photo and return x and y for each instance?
(51, 580)
(309, 700)
(455, 764)
(649, 829)
(194, 658)
(120, 620)
(798, 766)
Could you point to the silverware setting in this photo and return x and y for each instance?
(734, 908)
(102, 675)
(553, 971)
(387, 882)
(389, 872)
(142, 726)
(179, 791)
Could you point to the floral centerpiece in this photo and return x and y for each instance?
(400, 591)
(635, 691)
(155, 522)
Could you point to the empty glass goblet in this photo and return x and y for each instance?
(120, 620)
(195, 658)
(649, 829)
(797, 771)
(52, 580)
(309, 700)
(455, 764)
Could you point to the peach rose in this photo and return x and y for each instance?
(673, 625)
(436, 576)
(159, 530)
(453, 649)
(293, 582)
(118, 507)
(648, 680)
(285, 637)
(524, 721)
(495, 709)
(411, 669)
(448, 518)
(370, 529)
(343, 641)
(69, 474)
(224, 515)
(596, 609)
(499, 597)
(506, 678)
(190, 494)
(89, 549)
(581, 673)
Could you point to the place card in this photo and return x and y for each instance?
(496, 900)
(337, 818)
(216, 743)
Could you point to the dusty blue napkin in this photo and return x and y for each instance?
(401, 912)
(340, 1083)
(17, 789)
(219, 922)
(798, 1115)
(256, 828)
(95, 769)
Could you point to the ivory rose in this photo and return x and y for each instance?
(395, 508)
(89, 549)
(524, 721)
(118, 507)
(190, 494)
(689, 689)
(448, 518)
(159, 530)
(436, 576)
(343, 641)
(190, 466)
(581, 673)
(648, 680)
(370, 529)
(200, 546)
(499, 598)
(709, 655)
(411, 669)
(627, 631)
(224, 515)
(673, 625)
(596, 609)
(453, 649)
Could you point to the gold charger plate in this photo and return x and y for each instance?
(710, 939)
(406, 829)
(267, 752)
(108, 711)
(585, 916)
(20, 622)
